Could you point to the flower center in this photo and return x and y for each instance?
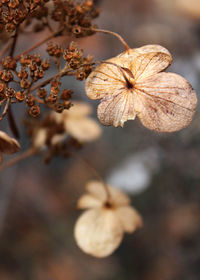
(108, 205)
(129, 85)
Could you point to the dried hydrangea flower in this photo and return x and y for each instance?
(77, 122)
(8, 145)
(133, 84)
(100, 229)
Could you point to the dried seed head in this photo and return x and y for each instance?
(34, 111)
(132, 84)
(42, 92)
(66, 94)
(20, 96)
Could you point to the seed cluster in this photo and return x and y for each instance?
(26, 72)
(76, 18)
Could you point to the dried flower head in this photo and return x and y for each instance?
(8, 145)
(133, 84)
(77, 122)
(100, 229)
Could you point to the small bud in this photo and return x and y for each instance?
(66, 94)
(34, 111)
(20, 96)
(42, 92)
(24, 83)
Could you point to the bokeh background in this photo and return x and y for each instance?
(161, 172)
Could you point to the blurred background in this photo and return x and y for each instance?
(160, 172)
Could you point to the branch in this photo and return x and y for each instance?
(54, 34)
(20, 157)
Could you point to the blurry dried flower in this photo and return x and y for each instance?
(132, 84)
(77, 122)
(40, 138)
(189, 8)
(8, 145)
(100, 229)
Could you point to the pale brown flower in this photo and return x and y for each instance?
(78, 123)
(132, 84)
(8, 145)
(100, 229)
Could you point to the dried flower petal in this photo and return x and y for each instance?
(165, 102)
(8, 145)
(98, 232)
(77, 122)
(96, 189)
(129, 218)
(83, 129)
(130, 84)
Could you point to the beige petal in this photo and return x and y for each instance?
(129, 218)
(8, 145)
(79, 109)
(83, 129)
(98, 232)
(152, 48)
(117, 109)
(148, 64)
(105, 79)
(97, 190)
(165, 102)
(40, 137)
(88, 201)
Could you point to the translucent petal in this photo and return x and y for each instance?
(117, 108)
(40, 137)
(129, 218)
(98, 232)
(88, 201)
(97, 189)
(104, 80)
(8, 145)
(82, 129)
(148, 64)
(165, 102)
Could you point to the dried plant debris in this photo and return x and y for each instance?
(100, 229)
(133, 84)
(8, 145)
(78, 123)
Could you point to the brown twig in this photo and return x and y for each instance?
(4, 50)
(98, 176)
(112, 33)
(20, 157)
(44, 83)
(52, 35)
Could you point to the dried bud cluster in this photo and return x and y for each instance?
(14, 12)
(133, 84)
(59, 132)
(32, 68)
(100, 229)
(76, 18)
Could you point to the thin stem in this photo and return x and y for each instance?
(4, 50)
(11, 52)
(20, 157)
(39, 43)
(44, 83)
(94, 171)
(115, 34)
